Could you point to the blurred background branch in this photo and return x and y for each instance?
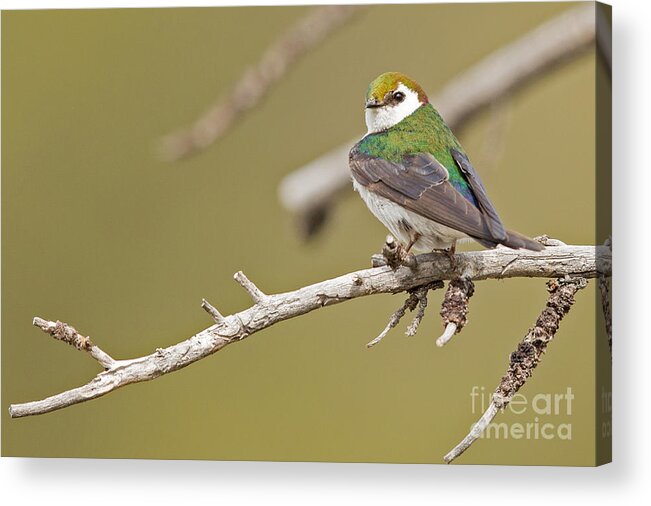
(604, 38)
(311, 191)
(257, 81)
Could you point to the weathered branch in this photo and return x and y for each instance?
(68, 334)
(526, 356)
(605, 307)
(257, 81)
(417, 299)
(605, 300)
(212, 311)
(310, 191)
(249, 287)
(454, 309)
(552, 262)
(448, 332)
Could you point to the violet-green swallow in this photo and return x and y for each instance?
(415, 177)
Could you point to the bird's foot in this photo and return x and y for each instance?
(394, 255)
(405, 258)
(450, 254)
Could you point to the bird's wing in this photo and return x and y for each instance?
(419, 183)
(492, 218)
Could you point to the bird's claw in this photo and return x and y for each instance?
(452, 258)
(407, 259)
(396, 255)
(450, 255)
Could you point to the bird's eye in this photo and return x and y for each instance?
(399, 96)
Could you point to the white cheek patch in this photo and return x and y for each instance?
(381, 118)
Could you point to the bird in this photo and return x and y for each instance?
(415, 177)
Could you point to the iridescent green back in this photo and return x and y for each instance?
(424, 131)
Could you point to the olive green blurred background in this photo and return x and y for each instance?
(97, 232)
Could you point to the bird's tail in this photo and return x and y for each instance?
(516, 240)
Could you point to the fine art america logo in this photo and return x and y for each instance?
(544, 415)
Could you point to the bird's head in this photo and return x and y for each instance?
(390, 98)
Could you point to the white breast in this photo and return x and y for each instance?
(403, 224)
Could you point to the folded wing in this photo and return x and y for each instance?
(420, 183)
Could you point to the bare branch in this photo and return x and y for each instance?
(450, 330)
(257, 81)
(212, 311)
(605, 306)
(454, 308)
(421, 295)
(417, 298)
(271, 309)
(310, 191)
(256, 294)
(69, 334)
(545, 240)
(605, 300)
(527, 355)
(410, 304)
(474, 433)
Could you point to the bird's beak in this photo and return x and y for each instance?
(373, 103)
